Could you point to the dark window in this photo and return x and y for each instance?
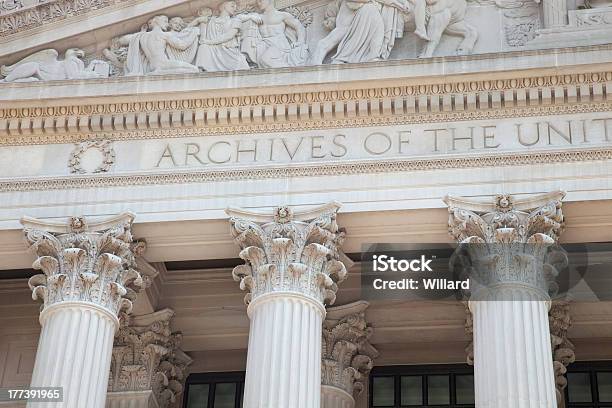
(214, 390)
(449, 386)
(589, 385)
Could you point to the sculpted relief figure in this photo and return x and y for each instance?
(187, 34)
(279, 41)
(448, 16)
(157, 51)
(220, 40)
(357, 32)
(45, 66)
(366, 30)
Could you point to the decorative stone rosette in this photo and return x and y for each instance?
(347, 355)
(84, 263)
(147, 357)
(289, 252)
(510, 242)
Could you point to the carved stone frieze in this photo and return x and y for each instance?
(562, 348)
(48, 12)
(45, 66)
(105, 147)
(347, 356)
(289, 252)
(147, 357)
(266, 37)
(84, 262)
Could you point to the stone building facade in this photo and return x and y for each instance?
(187, 187)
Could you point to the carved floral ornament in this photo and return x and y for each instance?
(289, 252)
(234, 37)
(147, 357)
(84, 262)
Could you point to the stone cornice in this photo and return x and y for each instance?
(360, 167)
(279, 112)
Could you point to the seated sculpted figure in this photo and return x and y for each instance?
(279, 41)
(220, 40)
(44, 66)
(148, 50)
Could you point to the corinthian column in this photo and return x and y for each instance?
(88, 278)
(292, 269)
(148, 367)
(347, 355)
(508, 244)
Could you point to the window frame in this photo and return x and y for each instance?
(399, 371)
(213, 379)
(592, 368)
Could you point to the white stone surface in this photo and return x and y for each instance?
(291, 271)
(87, 272)
(509, 298)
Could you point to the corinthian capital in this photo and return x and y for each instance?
(510, 241)
(536, 219)
(347, 356)
(289, 252)
(84, 262)
(147, 357)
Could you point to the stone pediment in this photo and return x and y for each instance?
(80, 39)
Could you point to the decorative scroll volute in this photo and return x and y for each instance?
(289, 252)
(84, 263)
(347, 355)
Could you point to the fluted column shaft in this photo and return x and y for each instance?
(512, 272)
(291, 269)
(87, 279)
(284, 359)
(74, 352)
(555, 13)
(512, 363)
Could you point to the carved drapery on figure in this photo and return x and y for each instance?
(347, 356)
(84, 263)
(147, 362)
(291, 253)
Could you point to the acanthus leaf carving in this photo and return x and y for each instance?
(289, 252)
(147, 357)
(347, 355)
(81, 262)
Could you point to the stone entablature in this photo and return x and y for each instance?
(515, 94)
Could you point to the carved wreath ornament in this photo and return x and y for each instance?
(104, 146)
